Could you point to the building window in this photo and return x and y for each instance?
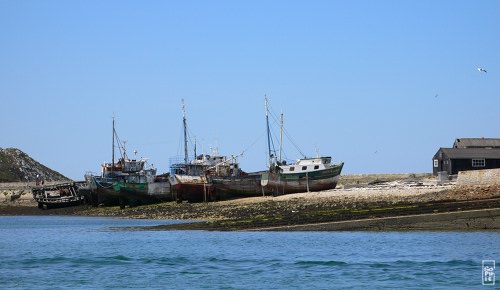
(435, 163)
(478, 163)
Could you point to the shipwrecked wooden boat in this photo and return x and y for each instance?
(128, 181)
(282, 177)
(190, 179)
(239, 185)
(307, 174)
(195, 181)
(304, 175)
(60, 195)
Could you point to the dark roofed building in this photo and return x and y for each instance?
(477, 143)
(468, 154)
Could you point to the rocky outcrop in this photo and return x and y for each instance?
(17, 166)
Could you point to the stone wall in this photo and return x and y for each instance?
(479, 177)
(18, 193)
(12, 197)
(348, 179)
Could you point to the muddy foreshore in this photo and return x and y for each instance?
(375, 206)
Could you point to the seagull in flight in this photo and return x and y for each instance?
(482, 70)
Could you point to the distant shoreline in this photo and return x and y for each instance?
(366, 202)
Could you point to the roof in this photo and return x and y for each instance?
(468, 153)
(476, 143)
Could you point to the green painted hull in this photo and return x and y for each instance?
(266, 183)
(318, 180)
(120, 192)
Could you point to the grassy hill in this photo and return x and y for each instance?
(15, 166)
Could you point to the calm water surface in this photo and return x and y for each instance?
(55, 252)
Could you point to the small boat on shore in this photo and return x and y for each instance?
(128, 181)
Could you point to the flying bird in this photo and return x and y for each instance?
(482, 70)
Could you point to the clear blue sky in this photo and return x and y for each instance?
(380, 85)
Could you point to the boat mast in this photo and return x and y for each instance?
(125, 150)
(268, 134)
(185, 133)
(195, 148)
(281, 135)
(113, 145)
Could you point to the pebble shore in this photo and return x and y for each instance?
(355, 201)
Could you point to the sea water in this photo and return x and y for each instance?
(60, 252)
